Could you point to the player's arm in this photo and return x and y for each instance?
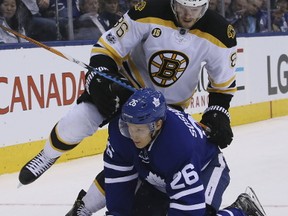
(120, 174)
(107, 56)
(220, 66)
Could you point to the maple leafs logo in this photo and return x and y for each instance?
(156, 180)
(156, 102)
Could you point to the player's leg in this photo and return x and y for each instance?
(80, 122)
(92, 201)
(215, 179)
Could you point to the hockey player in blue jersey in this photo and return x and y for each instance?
(161, 44)
(165, 149)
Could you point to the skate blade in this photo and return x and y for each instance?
(253, 196)
(19, 185)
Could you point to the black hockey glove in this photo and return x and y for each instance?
(217, 119)
(107, 95)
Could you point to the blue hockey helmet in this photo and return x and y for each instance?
(144, 106)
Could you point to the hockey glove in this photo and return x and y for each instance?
(107, 95)
(217, 119)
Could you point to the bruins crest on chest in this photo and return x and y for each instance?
(167, 66)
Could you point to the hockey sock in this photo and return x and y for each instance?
(94, 199)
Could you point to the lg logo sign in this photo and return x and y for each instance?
(281, 76)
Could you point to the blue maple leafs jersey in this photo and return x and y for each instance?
(172, 163)
(152, 51)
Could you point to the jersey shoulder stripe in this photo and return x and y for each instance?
(218, 27)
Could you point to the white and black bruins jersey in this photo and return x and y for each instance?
(154, 52)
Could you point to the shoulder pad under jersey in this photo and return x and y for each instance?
(152, 9)
(216, 26)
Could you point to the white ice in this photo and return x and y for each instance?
(257, 158)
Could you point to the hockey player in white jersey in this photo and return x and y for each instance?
(158, 44)
(180, 171)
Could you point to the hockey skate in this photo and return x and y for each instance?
(249, 203)
(79, 208)
(35, 168)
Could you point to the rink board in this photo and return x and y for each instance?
(38, 90)
(14, 158)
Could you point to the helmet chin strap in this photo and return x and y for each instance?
(175, 14)
(154, 132)
(154, 136)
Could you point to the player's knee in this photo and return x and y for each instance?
(58, 143)
(100, 181)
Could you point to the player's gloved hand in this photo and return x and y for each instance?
(217, 119)
(107, 95)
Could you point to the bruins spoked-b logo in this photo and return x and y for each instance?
(140, 6)
(166, 67)
(231, 33)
